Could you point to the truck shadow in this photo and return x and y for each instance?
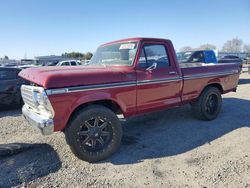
(174, 132)
(10, 111)
(19, 168)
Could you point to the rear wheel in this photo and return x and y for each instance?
(208, 105)
(94, 133)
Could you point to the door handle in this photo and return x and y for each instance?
(172, 72)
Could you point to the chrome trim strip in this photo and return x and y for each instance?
(158, 81)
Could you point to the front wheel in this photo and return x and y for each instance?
(208, 105)
(94, 133)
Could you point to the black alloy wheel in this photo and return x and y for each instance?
(94, 133)
(212, 104)
(208, 105)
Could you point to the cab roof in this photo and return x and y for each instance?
(134, 40)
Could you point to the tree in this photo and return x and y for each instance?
(234, 45)
(73, 55)
(6, 57)
(207, 47)
(64, 54)
(186, 48)
(78, 55)
(246, 48)
(88, 55)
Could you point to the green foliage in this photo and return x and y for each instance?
(88, 55)
(78, 55)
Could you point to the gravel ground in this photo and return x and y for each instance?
(164, 149)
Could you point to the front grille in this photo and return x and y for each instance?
(27, 95)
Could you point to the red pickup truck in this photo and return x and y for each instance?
(129, 77)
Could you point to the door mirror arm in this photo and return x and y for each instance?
(152, 67)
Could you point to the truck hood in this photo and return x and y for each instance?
(58, 77)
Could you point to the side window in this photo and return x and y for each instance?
(66, 63)
(142, 60)
(210, 57)
(198, 57)
(154, 53)
(73, 63)
(7, 75)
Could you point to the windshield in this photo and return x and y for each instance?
(119, 54)
(183, 56)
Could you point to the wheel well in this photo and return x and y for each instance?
(113, 106)
(216, 85)
(107, 103)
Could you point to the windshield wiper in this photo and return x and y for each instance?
(87, 64)
(103, 64)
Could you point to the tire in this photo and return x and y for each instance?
(208, 105)
(94, 133)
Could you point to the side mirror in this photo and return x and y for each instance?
(152, 67)
(195, 60)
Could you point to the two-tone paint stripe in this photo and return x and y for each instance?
(90, 87)
(206, 75)
(132, 83)
(109, 86)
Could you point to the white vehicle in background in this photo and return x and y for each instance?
(27, 66)
(68, 63)
(85, 62)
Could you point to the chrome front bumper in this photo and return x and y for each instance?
(40, 122)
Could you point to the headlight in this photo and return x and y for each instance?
(42, 102)
(40, 98)
(37, 98)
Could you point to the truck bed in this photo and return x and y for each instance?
(200, 75)
(194, 70)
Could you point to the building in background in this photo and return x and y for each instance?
(51, 59)
(9, 62)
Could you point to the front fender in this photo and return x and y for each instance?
(64, 105)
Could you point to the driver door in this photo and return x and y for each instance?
(158, 82)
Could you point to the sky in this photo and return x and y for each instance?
(30, 28)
